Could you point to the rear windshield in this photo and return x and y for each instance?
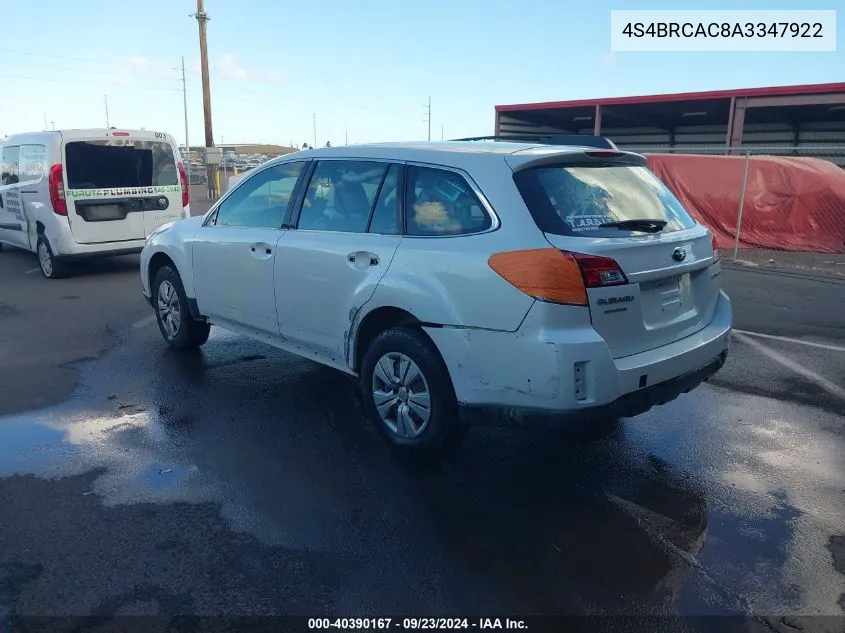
(113, 164)
(576, 200)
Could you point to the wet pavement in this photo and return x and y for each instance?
(243, 480)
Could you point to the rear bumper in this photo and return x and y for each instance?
(64, 246)
(534, 369)
(107, 252)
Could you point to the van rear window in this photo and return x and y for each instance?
(113, 164)
(575, 200)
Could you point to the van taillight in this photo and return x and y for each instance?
(599, 271)
(183, 180)
(57, 190)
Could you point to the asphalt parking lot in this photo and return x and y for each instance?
(243, 480)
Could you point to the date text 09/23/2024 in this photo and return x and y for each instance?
(414, 624)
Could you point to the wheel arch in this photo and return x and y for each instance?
(378, 320)
(159, 260)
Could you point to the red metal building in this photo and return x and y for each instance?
(807, 116)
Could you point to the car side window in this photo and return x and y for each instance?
(262, 200)
(441, 202)
(9, 165)
(340, 196)
(385, 219)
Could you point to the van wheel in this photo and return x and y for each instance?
(52, 267)
(408, 394)
(178, 327)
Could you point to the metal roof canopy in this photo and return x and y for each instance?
(574, 140)
(785, 104)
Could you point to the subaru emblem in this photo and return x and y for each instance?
(679, 254)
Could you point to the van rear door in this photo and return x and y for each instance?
(617, 216)
(120, 185)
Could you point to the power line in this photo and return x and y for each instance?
(90, 60)
(91, 83)
(72, 70)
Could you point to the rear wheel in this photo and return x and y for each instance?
(177, 325)
(408, 394)
(52, 267)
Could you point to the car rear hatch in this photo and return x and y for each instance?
(648, 266)
(120, 185)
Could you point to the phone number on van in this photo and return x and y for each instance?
(131, 191)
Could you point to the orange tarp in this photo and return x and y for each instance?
(792, 204)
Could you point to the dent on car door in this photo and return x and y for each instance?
(347, 232)
(234, 251)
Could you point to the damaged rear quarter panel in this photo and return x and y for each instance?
(447, 281)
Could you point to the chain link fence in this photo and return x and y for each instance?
(765, 203)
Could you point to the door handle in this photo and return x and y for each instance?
(258, 248)
(361, 257)
(1, 201)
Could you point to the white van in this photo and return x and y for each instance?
(80, 193)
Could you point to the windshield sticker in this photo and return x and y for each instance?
(124, 191)
(587, 222)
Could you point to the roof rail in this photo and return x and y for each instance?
(576, 140)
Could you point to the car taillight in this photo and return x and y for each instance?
(549, 274)
(183, 180)
(57, 190)
(716, 254)
(600, 271)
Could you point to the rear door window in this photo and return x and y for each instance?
(577, 200)
(117, 164)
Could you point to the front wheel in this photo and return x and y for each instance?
(408, 394)
(178, 327)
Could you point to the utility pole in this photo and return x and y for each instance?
(315, 129)
(46, 127)
(187, 158)
(441, 131)
(202, 20)
(106, 99)
(428, 116)
(346, 137)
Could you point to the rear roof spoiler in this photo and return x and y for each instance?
(572, 140)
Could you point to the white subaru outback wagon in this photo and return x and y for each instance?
(524, 276)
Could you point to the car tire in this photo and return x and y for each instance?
(52, 267)
(178, 327)
(410, 360)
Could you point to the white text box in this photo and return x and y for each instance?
(722, 31)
